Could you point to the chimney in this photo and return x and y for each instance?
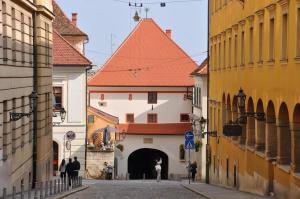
(74, 19)
(169, 33)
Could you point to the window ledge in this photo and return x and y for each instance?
(271, 62)
(296, 175)
(242, 146)
(251, 148)
(285, 167)
(251, 63)
(284, 61)
(260, 62)
(297, 59)
(260, 154)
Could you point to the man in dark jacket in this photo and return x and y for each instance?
(70, 170)
(76, 167)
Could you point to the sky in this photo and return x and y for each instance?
(109, 22)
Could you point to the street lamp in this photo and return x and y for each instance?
(32, 99)
(201, 122)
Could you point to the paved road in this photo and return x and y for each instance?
(134, 190)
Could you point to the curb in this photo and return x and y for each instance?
(197, 192)
(63, 195)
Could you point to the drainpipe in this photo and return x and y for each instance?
(208, 83)
(86, 109)
(35, 88)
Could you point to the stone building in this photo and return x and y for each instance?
(255, 45)
(146, 84)
(25, 69)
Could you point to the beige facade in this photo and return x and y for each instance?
(17, 65)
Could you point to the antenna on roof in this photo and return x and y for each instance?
(147, 10)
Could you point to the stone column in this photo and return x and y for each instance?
(295, 133)
(271, 138)
(250, 132)
(260, 135)
(242, 138)
(234, 117)
(284, 142)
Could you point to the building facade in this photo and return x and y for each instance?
(26, 68)
(200, 110)
(256, 46)
(146, 84)
(69, 89)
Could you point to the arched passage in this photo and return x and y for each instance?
(271, 131)
(235, 113)
(55, 157)
(228, 110)
(284, 136)
(142, 161)
(250, 124)
(224, 120)
(260, 128)
(296, 139)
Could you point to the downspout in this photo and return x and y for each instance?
(35, 89)
(208, 83)
(86, 110)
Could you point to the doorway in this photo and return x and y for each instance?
(142, 162)
(55, 158)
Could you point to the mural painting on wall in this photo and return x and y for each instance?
(102, 138)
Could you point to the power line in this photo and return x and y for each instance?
(130, 3)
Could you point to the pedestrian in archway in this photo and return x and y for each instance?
(194, 170)
(158, 169)
(62, 170)
(70, 170)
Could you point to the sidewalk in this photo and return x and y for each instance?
(216, 192)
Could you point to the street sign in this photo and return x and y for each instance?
(189, 140)
(71, 135)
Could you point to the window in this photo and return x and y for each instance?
(91, 119)
(227, 168)
(14, 32)
(215, 60)
(152, 97)
(284, 37)
(13, 129)
(219, 55)
(152, 118)
(260, 42)
(243, 48)
(271, 42)
(47, 39)
(235, 49)
(5, 32)
(57, 95)
(23, 122)
(130, 118)
(224, 54)
(251, 46)
(23, 37)
(184, 117)
(298, 33)
(229, 52)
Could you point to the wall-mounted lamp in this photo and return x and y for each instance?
(32, 101)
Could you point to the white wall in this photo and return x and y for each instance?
(200, 157)
(169, 105)
(168, 144)
(73, 81)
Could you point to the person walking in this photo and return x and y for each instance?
(76, 167)
(69, 171)
(62, 170)
(194, 170)
(158, 170)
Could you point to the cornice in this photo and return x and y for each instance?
(260, 12)
(283, 3)
(27, 4)
(45, 11)
(271, 7)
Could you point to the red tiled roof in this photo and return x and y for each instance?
(148, 57)
(202, 69)
(65, 54)
(104, 114)
(155, 129)
(63, 24)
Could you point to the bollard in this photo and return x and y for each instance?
(14, 193)
(67, 181)
(58, 188)
(4, 193)
(36, 191)
(46, 189)
(65, 184)
(22, 191)
(144, 176)
(62, 185)
(50, 188)
(29, 190)
(54, 191)
(41, 190)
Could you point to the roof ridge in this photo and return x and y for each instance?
(54, 30)
(116, 51)
(95, 110)
(66, 17)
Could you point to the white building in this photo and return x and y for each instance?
(200, 110)
(146, 84)
(69, 90)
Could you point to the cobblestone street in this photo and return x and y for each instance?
(134, 190)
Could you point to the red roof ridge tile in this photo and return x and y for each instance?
(88, 62)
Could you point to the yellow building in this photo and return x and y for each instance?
(255, 45)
